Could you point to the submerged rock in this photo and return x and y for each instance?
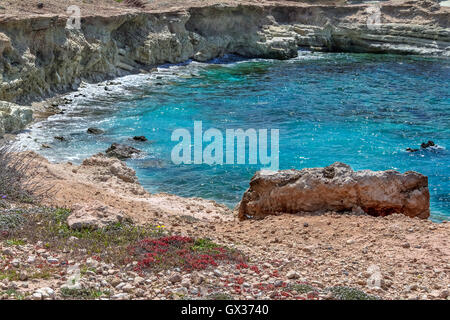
(95, 131)
(60, 138)
(424, 145)
(122, 151)
(336, 188)
(140, 138)
(428, 144)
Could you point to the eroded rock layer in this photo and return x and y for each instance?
(336, 188)
(39, 56)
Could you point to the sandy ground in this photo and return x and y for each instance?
(413, 255)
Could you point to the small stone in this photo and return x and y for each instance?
(217, 273)
(292, 275)
(139, 292)
(128, 288)
(15, 263)
(52, 260)
(444, 294)
(36, 296)
(139, 280)
(92, 263)
(265, 277)
(8, 252)
(45, 292)
(23, 276)
(406, 245)
(120, 285)
(176, 277)
(186, 283)
(120, 296)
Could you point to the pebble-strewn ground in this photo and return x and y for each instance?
(290, 257)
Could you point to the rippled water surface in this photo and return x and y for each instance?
(360, 109)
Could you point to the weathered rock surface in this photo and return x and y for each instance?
(13, 117)
(40, 56)
(114, 167)
(336, 188)
(94, 216)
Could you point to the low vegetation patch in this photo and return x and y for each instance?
(79, 294)
(347, 293)
(152, 247)
(184, 252)
(219, 296)
(302, 288)
(49, 227)
(16, 173)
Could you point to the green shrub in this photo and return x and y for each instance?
(347, 293)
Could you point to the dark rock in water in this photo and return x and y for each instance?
(428, 144)
(424, 145)
(45, 146)
(95, 131)
(140, 138)
(121, 151)
(60, 138)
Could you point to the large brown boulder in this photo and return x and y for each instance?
(336, 188)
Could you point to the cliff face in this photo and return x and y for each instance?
(39, 56)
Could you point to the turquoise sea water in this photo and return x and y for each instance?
(361, 109)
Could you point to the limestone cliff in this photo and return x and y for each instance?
(40, 57)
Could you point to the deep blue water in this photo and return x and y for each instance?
(360, 109)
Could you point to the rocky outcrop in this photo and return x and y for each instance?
(40, 56)
(336, 188)
(94, 216)
(107, 167)
(13, 117)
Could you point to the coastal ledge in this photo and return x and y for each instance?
(41, 58)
